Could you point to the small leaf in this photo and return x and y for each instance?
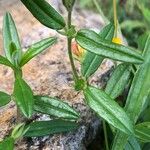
(10, 35)
(108, 109)
(45, 13)
(92, 61)
(19, 131)
(6, 62)
(54, 107)
(118, 80)
(92, 42)
(7, 144)
(132, 144)
(4, 99)
(36, 48)
(43, 128)
(23, 97)
(142, 132)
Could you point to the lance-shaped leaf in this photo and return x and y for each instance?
(19, 131)
(4, 98)
(45, 13)
(132, 144)
(92, 42)
(138, 93)
(10, 35)
(108, 109)
(37, 48)
(43, 128)
(7, 144)
(6, 62)
(142, 131)
(23, 96)
(118, 80)
(54, 107)
(92, 61)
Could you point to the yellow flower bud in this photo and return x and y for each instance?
(78, 51)
(81, 50)
(117, 40)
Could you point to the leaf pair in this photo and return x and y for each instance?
(25, 100)
(15, 59)
(13, 51)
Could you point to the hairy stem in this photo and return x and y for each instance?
(69, 39)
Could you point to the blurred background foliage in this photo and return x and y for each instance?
(133, 15)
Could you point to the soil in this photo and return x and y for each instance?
(49, 74)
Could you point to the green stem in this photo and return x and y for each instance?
(17, 72)
(105, 135)
(69, 39)
(100, 11)
(115, 17)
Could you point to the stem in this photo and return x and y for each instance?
(100, 11)
(18, 72)
(115, 17)
(105, 135)
(20, 117)
(69, 39)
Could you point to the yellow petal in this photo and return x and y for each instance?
(81, 50)
(117, 40)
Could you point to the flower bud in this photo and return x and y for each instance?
(68, 4)
(117, 40)
(77, 51)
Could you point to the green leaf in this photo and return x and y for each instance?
(92, 61)
(132, 24)
(45, 13)
(43, 128)
(4, 99)
(132, 144)
(92, 42)
(108, 109)
(10, 35)
(54, 107)
(145, 11)
(138, 93)
(6, 62)
(7, 144)
(36, 48)
(142, 132)
(23, 96)
(118, 80)
(19, 131)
